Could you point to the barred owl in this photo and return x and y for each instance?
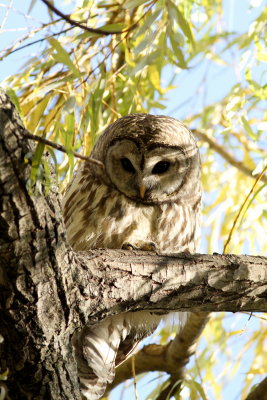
(147, 196)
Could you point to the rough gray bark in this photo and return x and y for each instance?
(141, 280)
(47, 291)
(36, 315)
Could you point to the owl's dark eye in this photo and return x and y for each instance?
(161, 167)
(127, 165)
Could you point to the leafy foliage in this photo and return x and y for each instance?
(80, 81)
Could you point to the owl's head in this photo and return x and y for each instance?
(149, 158)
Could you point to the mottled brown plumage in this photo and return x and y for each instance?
(147, 196)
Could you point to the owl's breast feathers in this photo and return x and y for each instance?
(99, 216)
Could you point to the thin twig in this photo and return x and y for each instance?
(241, 208)
(134, 377)
(86, 28)
(116, 45)
(10, 5)
(42, 40)
(59, 147)
(9, 50)
(227, 156)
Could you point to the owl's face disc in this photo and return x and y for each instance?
(150, 159)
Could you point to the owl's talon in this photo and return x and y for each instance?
(145, 246)
(129, 246)
(149, 246)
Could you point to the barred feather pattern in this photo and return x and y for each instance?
(101, 214)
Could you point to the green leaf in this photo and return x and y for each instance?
(154, 76)
(62, 56)
(70, 104)
(54, 158)
(261, 56)
(46, 89)
(184, 25)
(176, 15)
(46, 177)
(13, 97)
(113, 27)
(133, 4)
(36, 160)
(69, 133)
(176, 49)
(95, 104)
(145, 61)
(38, 111)
(68, 137)
(146, 43)
(248, 128)
(147, 22)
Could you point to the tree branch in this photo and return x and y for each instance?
(61, 148)
(86, 28)
(226, 155)
(39, 40)
(139, 280)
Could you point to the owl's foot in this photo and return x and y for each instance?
(129, 246)
(146, 246)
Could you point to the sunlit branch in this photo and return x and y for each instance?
(41, 40)
(9, 50)
(227, 156)
(259, 177)
(86, 28)
(61, 148)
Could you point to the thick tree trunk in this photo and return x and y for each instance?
(36, 316)
(47, 291)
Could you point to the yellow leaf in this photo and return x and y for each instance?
(154, 77)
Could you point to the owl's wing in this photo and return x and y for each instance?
(96, 349)
(92, 387)
(126, 349)
(99, 349)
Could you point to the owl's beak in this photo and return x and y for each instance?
(142, 190)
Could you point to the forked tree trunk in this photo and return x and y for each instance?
(47, 291)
